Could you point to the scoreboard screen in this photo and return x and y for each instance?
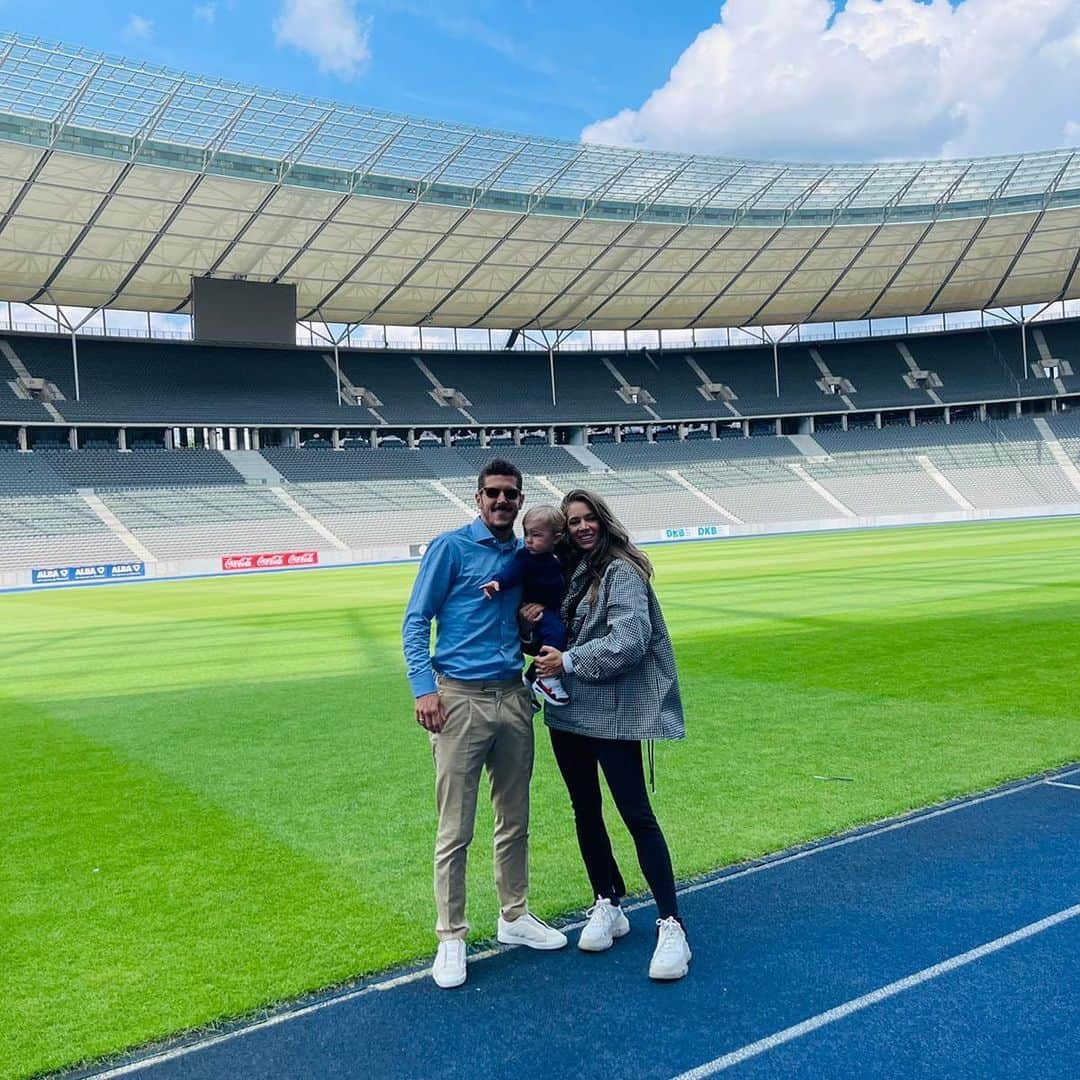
(243, 312)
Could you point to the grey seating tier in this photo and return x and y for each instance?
(669, 378)
(41, 531)
(30, 474)
(403, 390)
(672, 455)
(1065, 425)
(1063, 343)
(539, 460)
(515, 388)
(302, 466)
(875, 368)
(973, 365)
(182, 383)
(103, 469)
(186, 384)
(904, 437)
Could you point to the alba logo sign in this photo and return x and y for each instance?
(99, 572)
(269, 560)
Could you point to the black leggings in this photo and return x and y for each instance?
(578, 758)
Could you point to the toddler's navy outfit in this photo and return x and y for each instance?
(542, 582)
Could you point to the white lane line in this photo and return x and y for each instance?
(843, 841)
(1061, 783)
(279, 1018)
(416, 976)
(770, 1042)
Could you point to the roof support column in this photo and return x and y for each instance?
(62, 320)
(775, 342)
(1023, 333)
(551, 347)
(337, 372)
(334, 341)
(75, 362)
(1022, 322)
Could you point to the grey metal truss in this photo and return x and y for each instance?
(691, 219)
(140, 262)
(58, 127)
(114, 188)
(60, 99)
(288, 163)
(590, 266)
(452, 231)
(430, 177)
(897, 197)
(534, 195)
(551, 247)
(695, 321)
(970, 243)
(434, 178)
(802, 259)
(1032, 230)
(344, 201)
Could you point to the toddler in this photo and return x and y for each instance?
(538, 570)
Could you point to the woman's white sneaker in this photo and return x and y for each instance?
(448, 970)
(529, 931)
(671, 957)
(606, 923)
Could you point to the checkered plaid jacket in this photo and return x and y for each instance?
(624, 684)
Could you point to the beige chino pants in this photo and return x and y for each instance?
(490, 724)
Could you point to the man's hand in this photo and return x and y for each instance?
(549, 662)
(431, 712)
(490, 589)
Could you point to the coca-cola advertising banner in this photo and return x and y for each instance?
(269, 560)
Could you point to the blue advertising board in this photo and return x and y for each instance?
(67, 575)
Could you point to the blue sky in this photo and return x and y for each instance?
(779, 79)
(542, 66)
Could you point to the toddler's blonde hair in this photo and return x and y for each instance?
(545, 514)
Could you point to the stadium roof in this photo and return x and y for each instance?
(122, 180)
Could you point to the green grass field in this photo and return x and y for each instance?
(216, 798)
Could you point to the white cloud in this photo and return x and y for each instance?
(206, 13)
(328, 30)
(139, 28)
(883, 79)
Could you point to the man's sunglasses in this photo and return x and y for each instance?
(510, 494)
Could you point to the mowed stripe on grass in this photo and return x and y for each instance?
(218, 797)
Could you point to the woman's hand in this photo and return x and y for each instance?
(549, 662)
(530, 615)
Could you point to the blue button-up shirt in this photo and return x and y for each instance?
(475, 638)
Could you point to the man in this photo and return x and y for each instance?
(471, 700)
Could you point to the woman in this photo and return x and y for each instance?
(619, 670)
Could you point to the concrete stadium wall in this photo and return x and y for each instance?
(174, 569)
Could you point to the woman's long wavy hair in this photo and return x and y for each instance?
(613, 541)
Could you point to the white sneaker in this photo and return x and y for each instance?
(531, 932)
(671, 958)
(551, 690)
(606, 923)
(448, 970)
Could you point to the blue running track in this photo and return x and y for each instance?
(942, 944)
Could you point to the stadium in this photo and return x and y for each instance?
(257, 348)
